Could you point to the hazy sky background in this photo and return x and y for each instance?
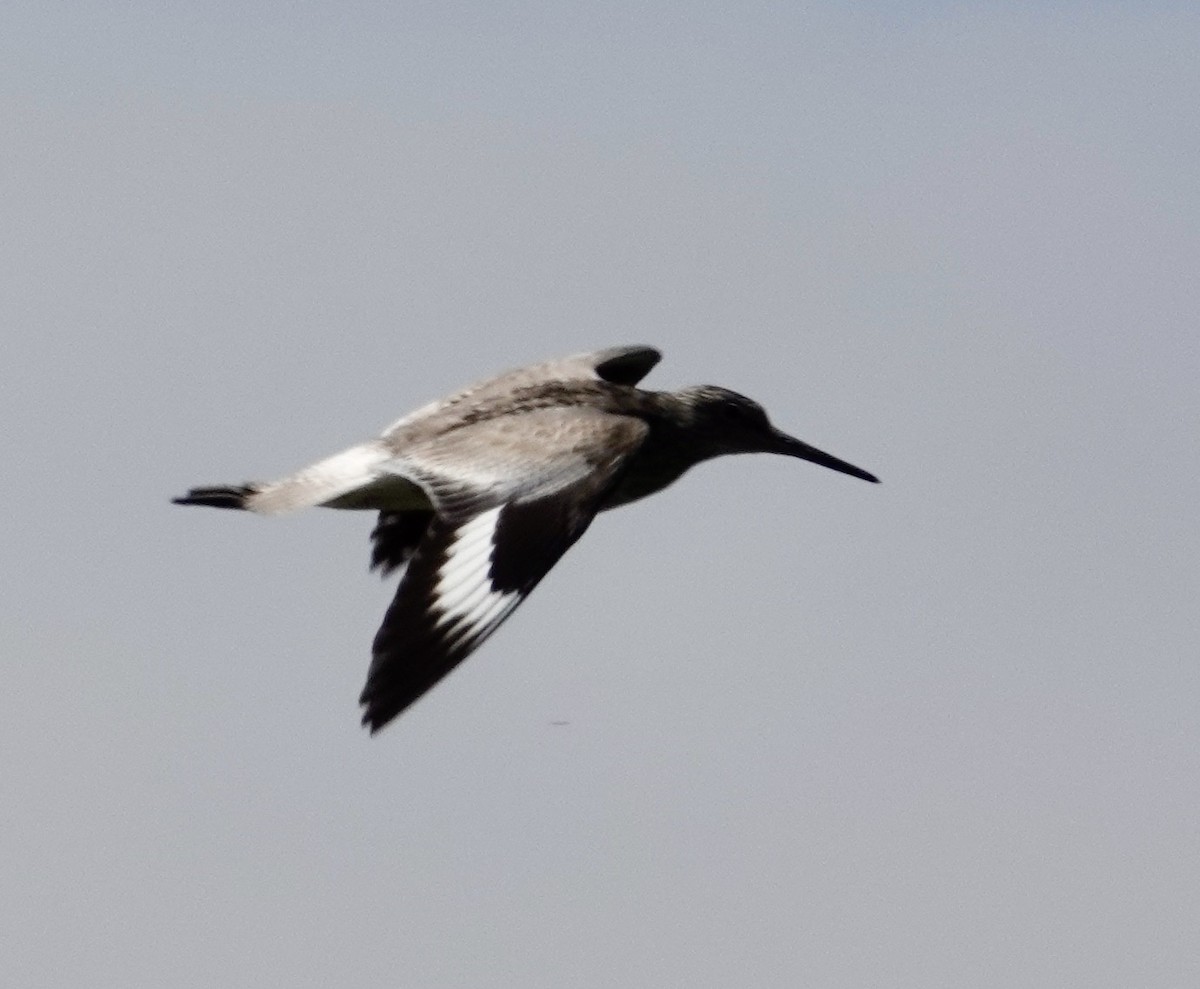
(941, 732)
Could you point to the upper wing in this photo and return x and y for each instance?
(487, 547)
(625, 365)
(618, 365)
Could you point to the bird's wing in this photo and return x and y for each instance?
(624, 365)
(617, 365)
(531, 492)
(396, 537)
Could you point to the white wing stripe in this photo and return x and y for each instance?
(471, 544)
(468, 540)
(483, 524)
(460, 601)
(494, 609)
(463, 593)
(483, 617)
(460, 570)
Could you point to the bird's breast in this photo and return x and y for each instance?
(646, 474)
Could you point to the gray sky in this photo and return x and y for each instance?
(941, 732)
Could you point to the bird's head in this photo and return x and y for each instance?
(733, 423)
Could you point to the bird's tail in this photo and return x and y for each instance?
(322, 483)
(223, 496)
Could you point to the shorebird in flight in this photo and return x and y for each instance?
(480, 494)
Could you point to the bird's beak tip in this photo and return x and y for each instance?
(793, 447)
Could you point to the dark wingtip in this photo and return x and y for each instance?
(376, 716)
(627, 365)
(224, 496)
(373, 716)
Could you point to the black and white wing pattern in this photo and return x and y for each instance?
(491, 540)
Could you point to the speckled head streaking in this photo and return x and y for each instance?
(480, 494)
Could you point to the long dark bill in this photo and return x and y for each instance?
(792, 447)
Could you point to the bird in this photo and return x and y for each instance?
(479, 494)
